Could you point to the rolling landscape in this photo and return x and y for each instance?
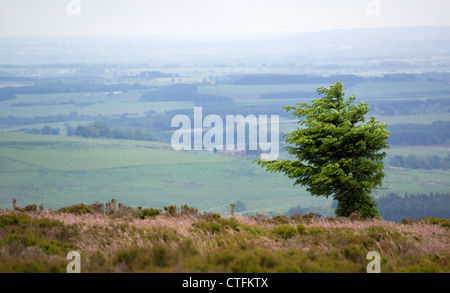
(69, 167)
(87, 164)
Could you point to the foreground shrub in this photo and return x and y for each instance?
(47, 223)
(78, 209)
(436, 221)
(305, 218)
(23, 236)
(150, 212)
(39, 264)
(28, 208)
(184, 210)
(301, 229)
(209, 226)
(188, 211)
(407, 221)
(98, 207)
(171, 210)
(215, 226)
(210, 243)
(210, 216)
(285, 231)
(280, 219)
(14, 220)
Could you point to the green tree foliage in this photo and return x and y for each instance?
(336, 153)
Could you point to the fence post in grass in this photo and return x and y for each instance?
(113, 205)
(232, 209)
(14, 203)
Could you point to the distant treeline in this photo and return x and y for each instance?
(426, 162)
(260, 79)
(346, 79)
(395, 107)
(152, 120)
(89, 84)
(211, 104)
(100, 129)
(155, 74)
(53, 103)
(303, 95)
(385, 107)
(436, 133)
(188, 92)
(73, 116)
(302, 211)
(393, 207)
(46, 130)
(49, 87)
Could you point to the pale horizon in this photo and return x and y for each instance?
(65, 18)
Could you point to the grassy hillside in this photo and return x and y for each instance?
(59, 171)
(183, 240)
(84, 103)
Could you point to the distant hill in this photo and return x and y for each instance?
(380, 46)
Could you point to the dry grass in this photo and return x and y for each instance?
(183, 225)
(429, 238)
(198, 243)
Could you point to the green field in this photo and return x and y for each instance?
(59, 171)
(63, 170)
(97, 103)
(109, 108)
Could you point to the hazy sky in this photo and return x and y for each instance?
(131, 17)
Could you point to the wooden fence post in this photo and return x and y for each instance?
(113, 205)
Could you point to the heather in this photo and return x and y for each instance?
(120, 239)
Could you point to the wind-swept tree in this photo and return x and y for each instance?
(336, 152)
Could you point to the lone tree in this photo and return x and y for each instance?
(337, 153)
